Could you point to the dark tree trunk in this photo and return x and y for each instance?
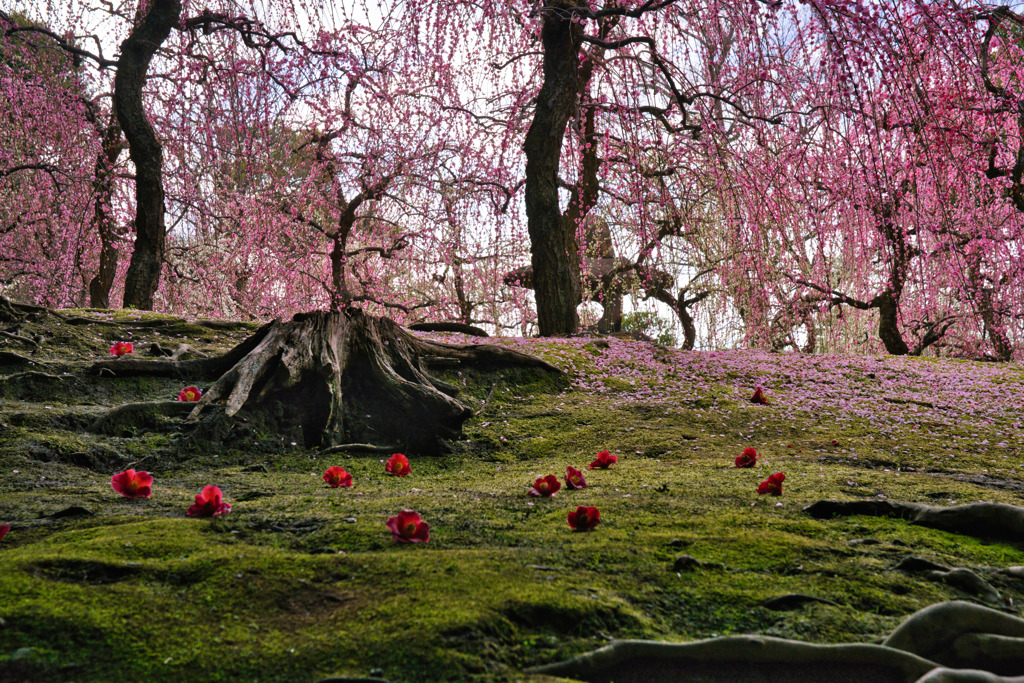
(99, 286)
(888, 324)
(689, 329)
(335, 378)
(997, 333)
(555, 257)
(137, 51)
(611, 299)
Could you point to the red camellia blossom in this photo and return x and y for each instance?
(758, 397)
(121, 348)
(604, 460)
(397, 465)
(209, 503)
(748, 458)
(545, 486)
(407, 527)
(574, 478)
(584, 518)
(772, 485)
(190, 394)
(337, 476)
(132, 484)
(4, 528)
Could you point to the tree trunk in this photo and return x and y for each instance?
(334, 378)
(555, 257)
(143, 277)
(611, 299)
(888, 324)
(99, 286)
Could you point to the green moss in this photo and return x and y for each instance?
(301, 580)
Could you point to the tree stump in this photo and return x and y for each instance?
(334, 378)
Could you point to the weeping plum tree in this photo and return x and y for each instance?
(611, 68)
(51, 126)
(785, 161)
(911, 156)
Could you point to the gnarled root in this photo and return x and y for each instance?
(965, 635)
(740, 658)
(983, 520)
(329, 378)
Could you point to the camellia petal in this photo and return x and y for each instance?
(190, 394)
(408, 527)
(772, 485)
(584, 518)
(132, 484)
(574, 479)
(758, 397)
(337, 476)
(4, 528)
(209, 503)
(604, 460)
(748, 458)
(122, 348)
(545, 487)
(398, 465)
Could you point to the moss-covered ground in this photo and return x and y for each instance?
(301, 581)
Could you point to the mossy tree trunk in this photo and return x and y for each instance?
(334, 378)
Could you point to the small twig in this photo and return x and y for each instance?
(483, 405)
(143, 459)
(32, 373)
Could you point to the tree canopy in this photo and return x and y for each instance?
(819, 175)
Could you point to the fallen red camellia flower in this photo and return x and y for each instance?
(604, 460)
(132, 484)
(758, 397)
(397, 465)
(337, 476)
(748, 458)
(574, 478)
(584, 518)
(190, 394)
(209, 503)
(407, 527)
(4, 528)
(772, 485)
(121, 348)
(545, 486)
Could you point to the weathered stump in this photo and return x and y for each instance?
(334, 378)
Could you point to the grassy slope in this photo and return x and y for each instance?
(301, 581)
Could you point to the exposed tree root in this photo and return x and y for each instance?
(740, 658)
(944, 675)
(449, 327)
(11, 358)
(963, 635)
(335, 378)
(131, 416)
(19, 338)
(13, 312)
(961, 578)
(982, 520)
(986, 643)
